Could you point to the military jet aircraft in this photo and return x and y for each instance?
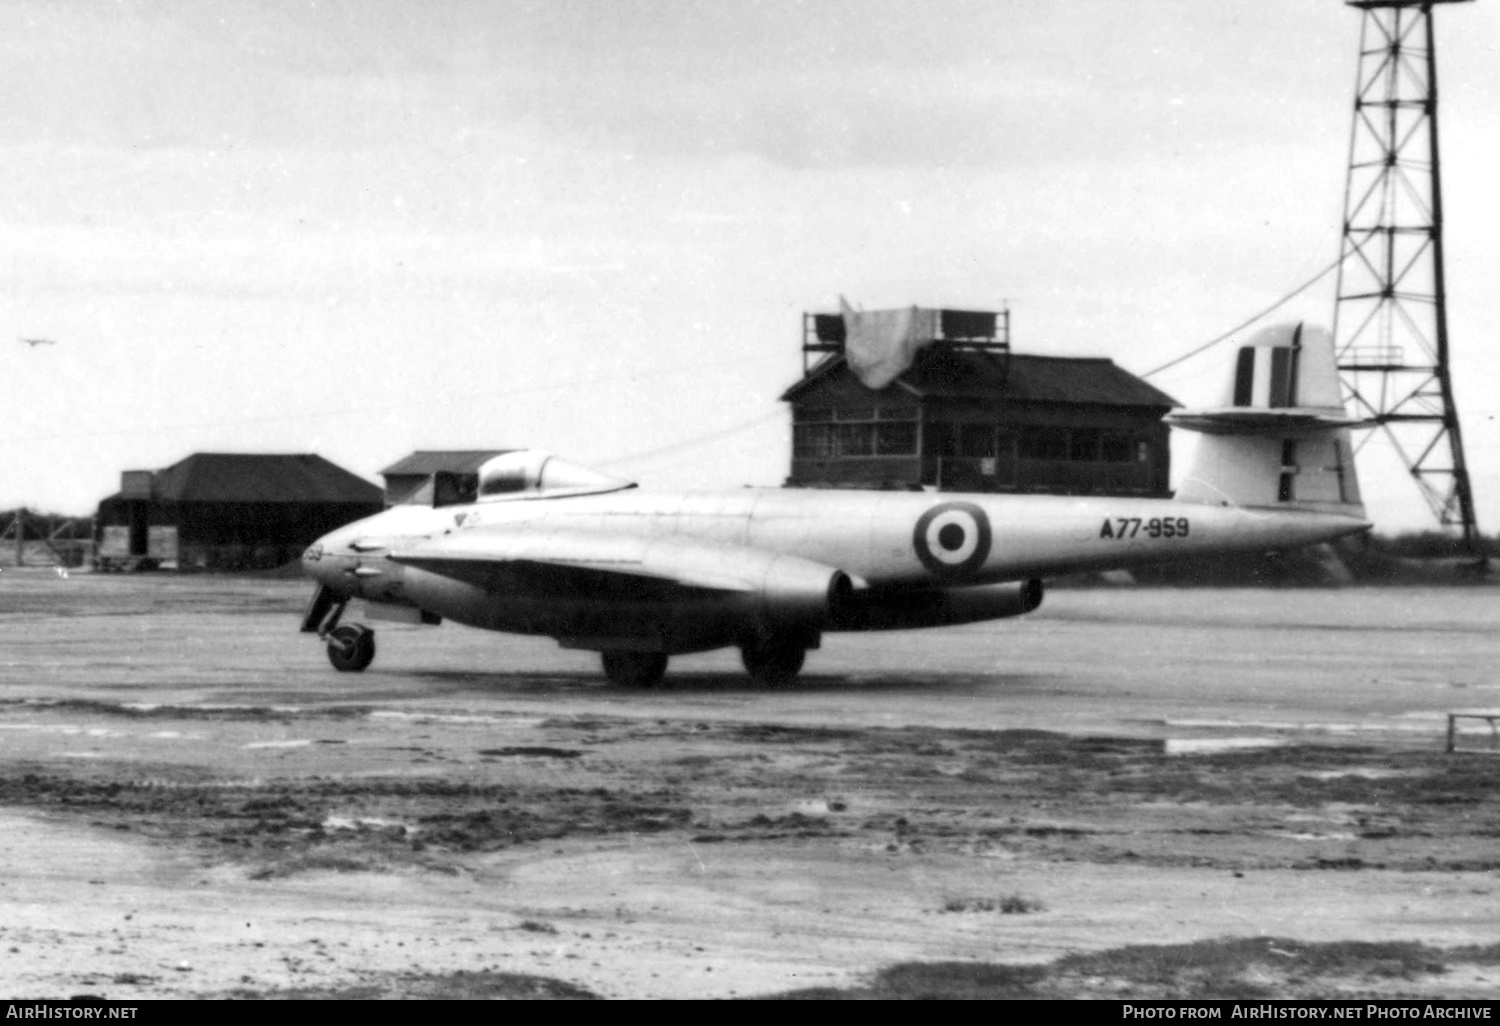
(534, 544)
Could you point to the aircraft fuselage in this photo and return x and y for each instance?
(900, 553)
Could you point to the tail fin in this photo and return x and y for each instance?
(1281, 440)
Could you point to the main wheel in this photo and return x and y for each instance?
(351, 648)
(635, 669)
(773, 662)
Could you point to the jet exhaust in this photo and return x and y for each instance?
(908, 609)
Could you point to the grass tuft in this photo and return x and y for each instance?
(1010, 904)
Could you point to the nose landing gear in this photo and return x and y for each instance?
(351, 648)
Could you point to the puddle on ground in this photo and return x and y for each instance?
(1362, 772)
(1201, 745)
(366, 823)
(421, 717)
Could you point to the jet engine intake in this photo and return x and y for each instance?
(799, 596)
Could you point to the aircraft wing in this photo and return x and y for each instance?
(478, 555)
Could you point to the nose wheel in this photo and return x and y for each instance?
(351, 648)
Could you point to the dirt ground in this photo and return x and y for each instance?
(1130, 793)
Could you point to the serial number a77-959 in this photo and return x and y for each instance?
(1156, 527)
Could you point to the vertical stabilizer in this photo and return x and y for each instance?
(1280, 439)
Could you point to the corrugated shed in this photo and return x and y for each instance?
(255, 477)
(966, 374)
(424, 462)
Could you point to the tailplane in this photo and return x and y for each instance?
(1280, 440)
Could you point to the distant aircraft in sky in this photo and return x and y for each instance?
(533, 544)
(34, 342)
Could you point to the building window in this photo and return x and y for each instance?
(1115, 447)
(864, 431)
(896, 438)
(1083, 445)
(854, 439)
(976, 441)
(811, 441)
(1044, 443)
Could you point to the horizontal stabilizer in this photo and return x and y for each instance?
(1290, 423)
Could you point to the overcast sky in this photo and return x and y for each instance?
(361, 228)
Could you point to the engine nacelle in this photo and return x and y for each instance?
(905, 609)
(800, 597)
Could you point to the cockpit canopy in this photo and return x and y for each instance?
(532, 473)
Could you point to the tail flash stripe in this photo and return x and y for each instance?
(1266, 384)
(1281, 379)
(1244, 377)
(1294, 367)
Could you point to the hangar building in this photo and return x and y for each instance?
(953, 408)
(410, 473)
(229, 511)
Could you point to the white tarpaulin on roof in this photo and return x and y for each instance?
(880, 344)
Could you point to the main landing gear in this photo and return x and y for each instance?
(635, 669)
(774, 661)
(351, 647)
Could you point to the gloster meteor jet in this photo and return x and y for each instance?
(534, 544)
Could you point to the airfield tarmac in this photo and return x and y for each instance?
(194, 803)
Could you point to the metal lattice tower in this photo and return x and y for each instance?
(1390, 318)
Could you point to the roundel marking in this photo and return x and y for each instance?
(952, 539)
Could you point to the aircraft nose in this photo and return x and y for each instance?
(314, 563)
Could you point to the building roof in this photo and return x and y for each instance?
(430, 461)
(261, 477)
(954, 373)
